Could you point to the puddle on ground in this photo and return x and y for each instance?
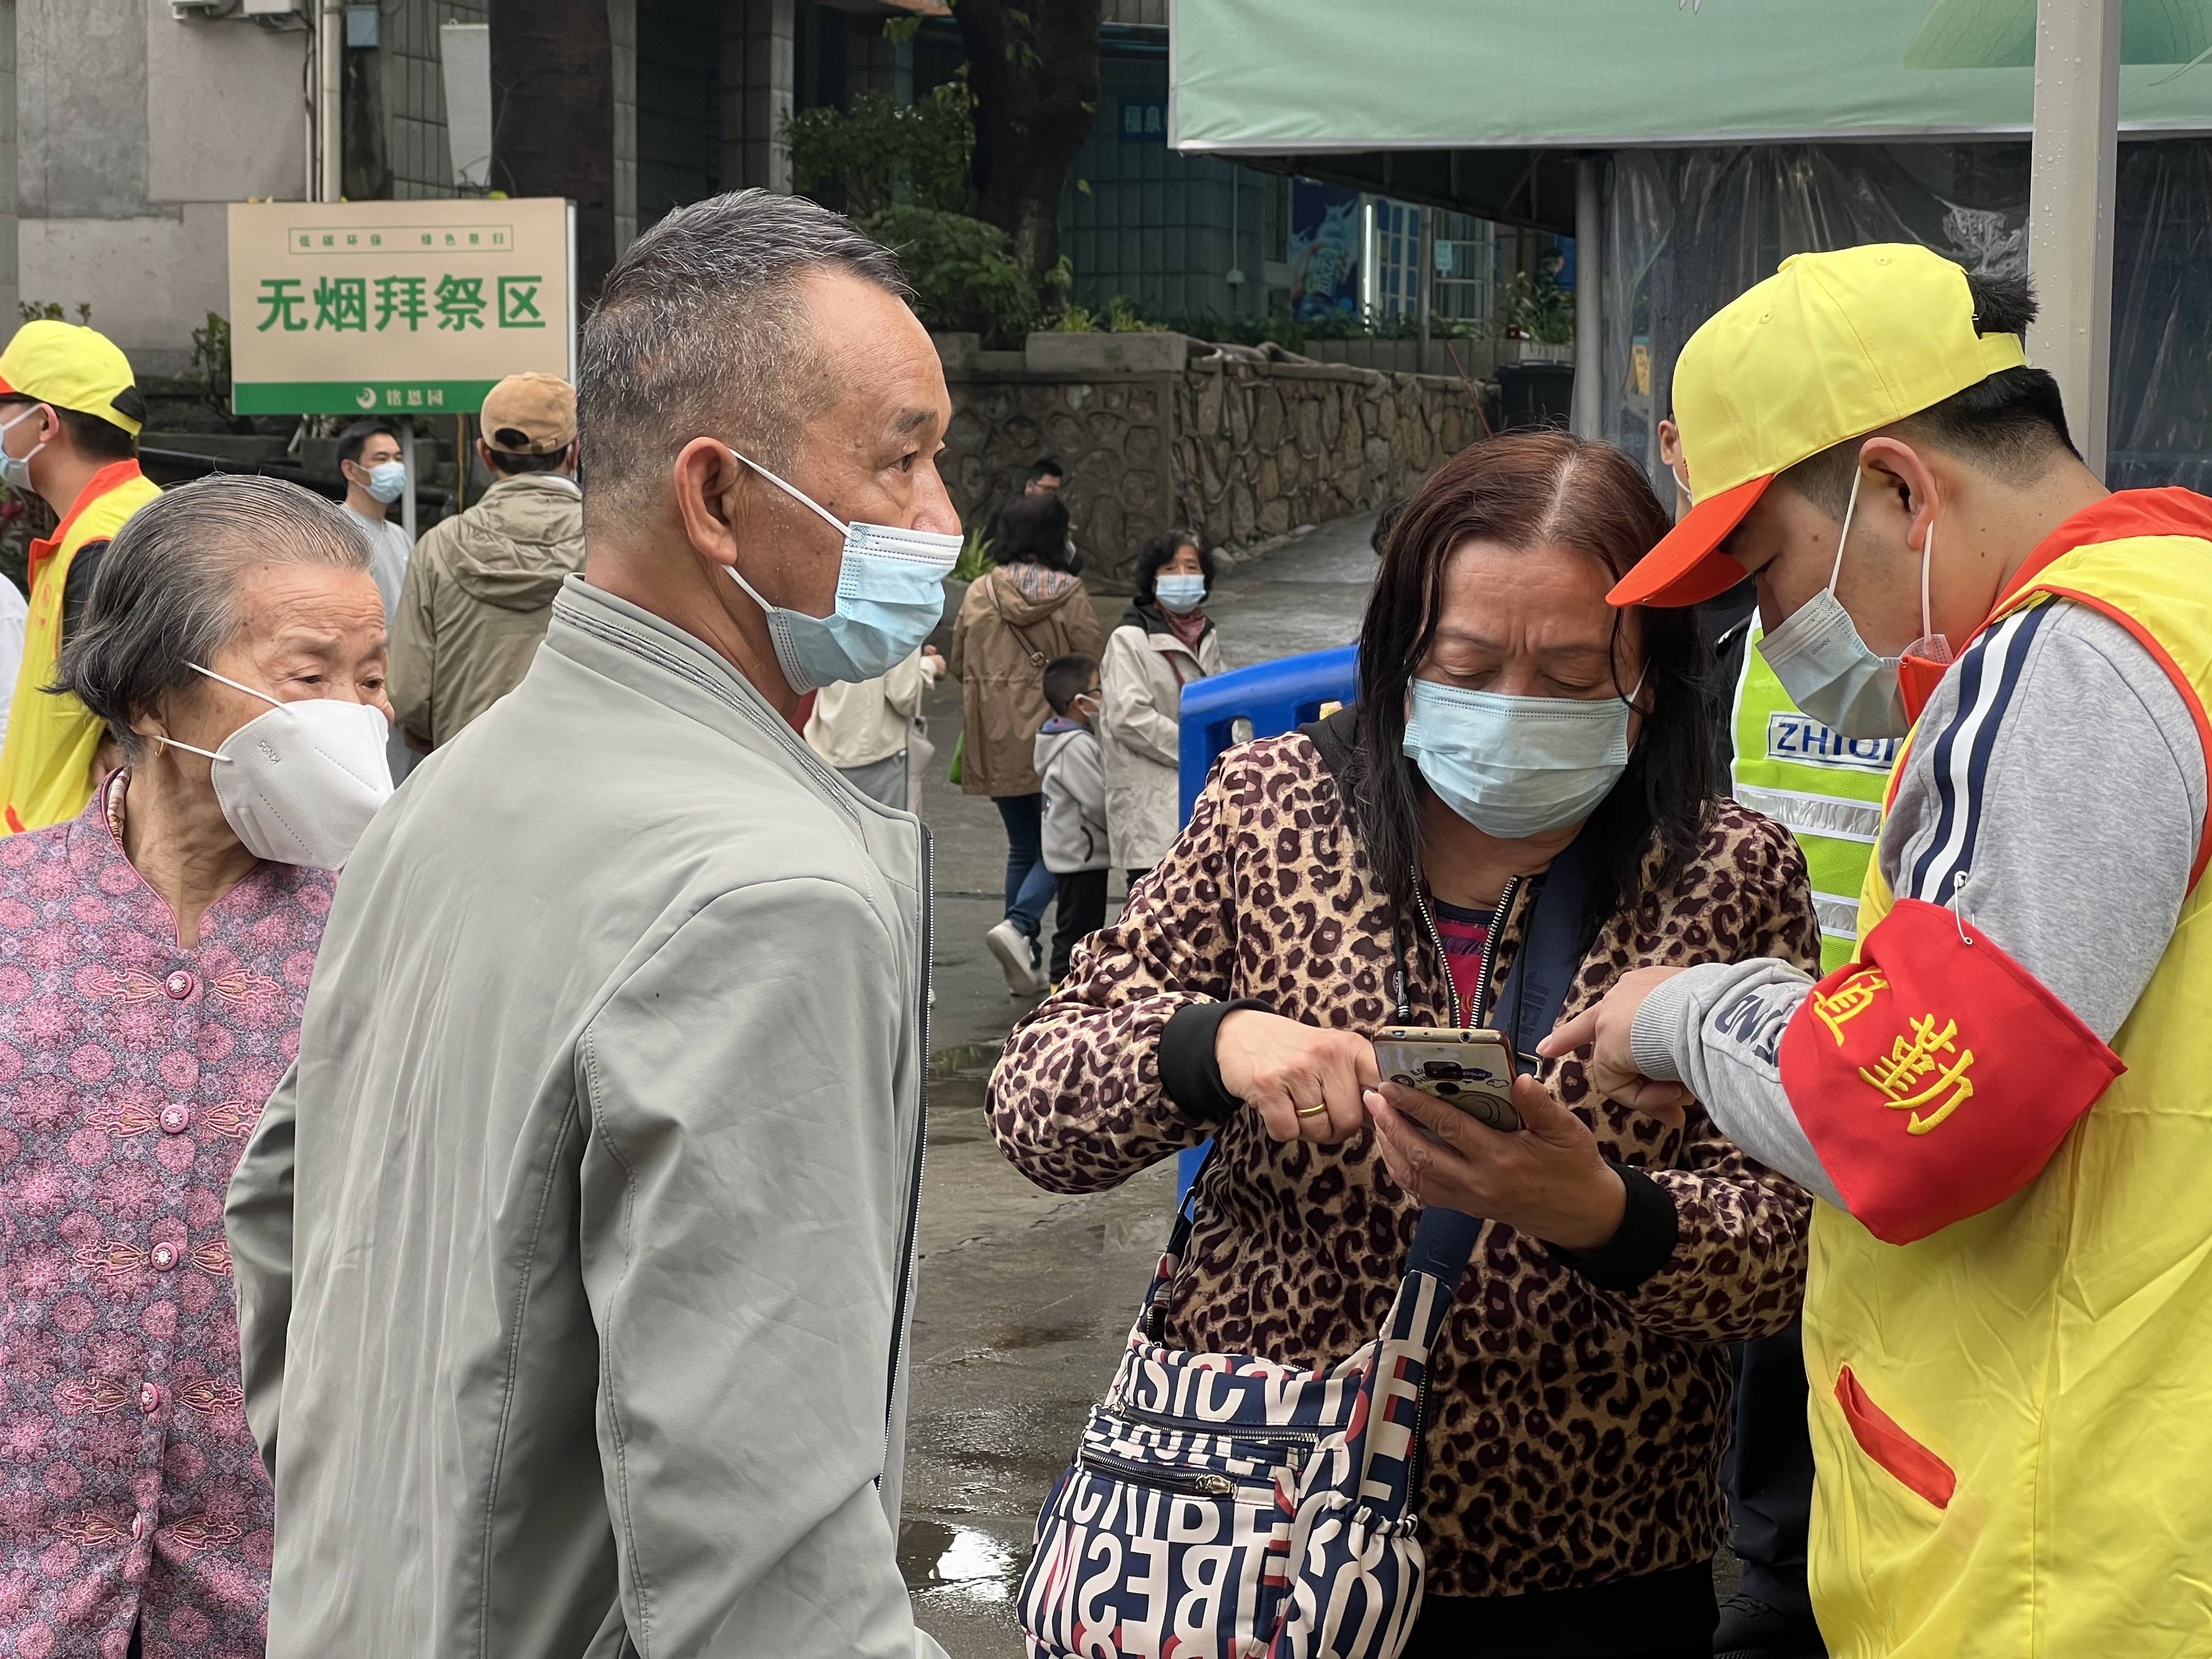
(1013, 1338)
(958, 1562)
(963, 1059)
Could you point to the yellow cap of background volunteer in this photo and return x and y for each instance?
(1831, 347)
(530, 415)
(72, 368)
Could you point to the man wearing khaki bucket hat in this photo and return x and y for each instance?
(2003, 1103)
(480, 586)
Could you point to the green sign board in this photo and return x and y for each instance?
(395, 308)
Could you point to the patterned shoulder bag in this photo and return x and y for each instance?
(1229, 1506)
(1225, 1506)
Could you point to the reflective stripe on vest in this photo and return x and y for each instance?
(1825, 788)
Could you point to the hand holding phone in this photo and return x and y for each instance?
(1472, 1071)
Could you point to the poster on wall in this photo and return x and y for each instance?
(1324, 251)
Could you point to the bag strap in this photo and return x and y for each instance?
(1037, 659)
(1550, 956)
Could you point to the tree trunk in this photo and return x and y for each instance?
(553, 118)
(1034, 69)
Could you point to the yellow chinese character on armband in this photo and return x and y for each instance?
(1921, 1055)
(1848, 1000)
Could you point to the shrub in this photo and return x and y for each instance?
(965, 278)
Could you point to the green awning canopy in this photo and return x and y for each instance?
(1273, 76)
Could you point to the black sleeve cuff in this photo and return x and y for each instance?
(1189, 1072)
(1647, 1237)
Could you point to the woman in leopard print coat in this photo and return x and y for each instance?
(1580, 1394)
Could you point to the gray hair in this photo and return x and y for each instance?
(165, 594)
(698, 331)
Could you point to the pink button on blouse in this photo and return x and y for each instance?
(131, 1073)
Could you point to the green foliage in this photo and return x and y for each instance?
(210, 365)
(1120, 316)
(974, 560)
(880, 154)
(965, 276)
(1539, 307)
(31, 311)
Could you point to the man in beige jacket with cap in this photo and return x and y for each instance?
(480, 586)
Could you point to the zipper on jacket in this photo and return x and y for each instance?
(1145, 1475)
(921, 1153)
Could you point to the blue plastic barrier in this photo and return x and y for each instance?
(1276, 696)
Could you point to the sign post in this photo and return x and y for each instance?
(397, 308)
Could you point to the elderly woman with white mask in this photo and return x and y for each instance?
(155, 953)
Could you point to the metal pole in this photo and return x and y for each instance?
(1588, 421)
(1428, 257)
(329, 142)
(2070, 207)
(407, 455)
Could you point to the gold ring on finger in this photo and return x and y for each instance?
(1312, 1111)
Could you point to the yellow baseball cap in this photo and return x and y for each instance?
(1830, 346)
(73, 368)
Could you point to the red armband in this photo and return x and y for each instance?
(1935, 1076)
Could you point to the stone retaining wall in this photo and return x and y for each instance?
(1152, 436)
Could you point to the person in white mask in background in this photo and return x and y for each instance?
(606, 1131)
(1163, 641)
(157, 948)
(375, 479)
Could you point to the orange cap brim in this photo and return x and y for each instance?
(1687, 566)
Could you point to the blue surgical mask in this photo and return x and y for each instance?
(387, 481)
(16, 469)
(891, 593)
(1180, 594)
(1515, 767)
(1829, 669)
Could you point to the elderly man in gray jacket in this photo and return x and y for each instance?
(573, 1254)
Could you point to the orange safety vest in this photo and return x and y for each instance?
(2012, 1414)
(46, 765)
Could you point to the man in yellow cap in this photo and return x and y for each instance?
(71, 413)
(2003, 1103)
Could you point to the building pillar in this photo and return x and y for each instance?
(1589, 418)
(757, 78)
(2074, 160)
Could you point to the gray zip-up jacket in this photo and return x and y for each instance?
(570, 1251)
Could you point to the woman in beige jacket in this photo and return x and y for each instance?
(1163, 642)
(1013, 622)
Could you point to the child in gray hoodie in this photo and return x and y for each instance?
(1074, 768)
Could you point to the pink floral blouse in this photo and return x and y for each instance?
(131, 1073)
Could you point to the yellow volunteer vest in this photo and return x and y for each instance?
(46, 765)
(2055, 1351)
(1824, 788)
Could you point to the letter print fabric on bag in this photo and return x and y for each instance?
(1227, 1506)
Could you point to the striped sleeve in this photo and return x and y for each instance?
(1989, 677)
(2053, 796)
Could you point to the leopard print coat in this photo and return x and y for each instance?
(1575, 1434)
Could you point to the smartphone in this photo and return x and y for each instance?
(1471, 1070)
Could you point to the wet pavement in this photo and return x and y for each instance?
(1025, 1296)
